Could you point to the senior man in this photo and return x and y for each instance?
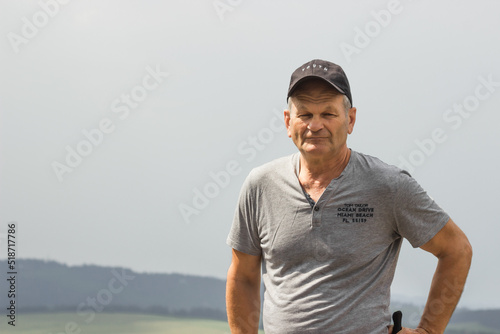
(326, 225)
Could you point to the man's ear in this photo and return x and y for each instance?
(286, 115)
(351, 115)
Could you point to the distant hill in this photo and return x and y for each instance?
(51, 286)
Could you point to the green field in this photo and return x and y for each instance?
(110, 323)
(125, 323)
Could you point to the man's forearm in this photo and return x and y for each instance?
(243, 306)
(446, 288)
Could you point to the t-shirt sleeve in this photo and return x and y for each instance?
(418, 217)
(244, 233)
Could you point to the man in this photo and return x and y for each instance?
(326, 225)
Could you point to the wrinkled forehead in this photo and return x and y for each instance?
(319, 103)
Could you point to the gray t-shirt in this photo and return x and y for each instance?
(328, 268)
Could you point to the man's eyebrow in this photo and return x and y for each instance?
(330, 108)
(300, 107)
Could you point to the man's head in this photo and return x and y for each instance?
(320, 115)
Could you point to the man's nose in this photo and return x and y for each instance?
(315, 124)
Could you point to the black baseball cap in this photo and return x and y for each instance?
(317, 68)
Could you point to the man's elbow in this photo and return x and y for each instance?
(243, 281)
(462, 251)
(237, 277)
(467, 251)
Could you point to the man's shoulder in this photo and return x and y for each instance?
(275, 168)
(375, 167)
(277, 165)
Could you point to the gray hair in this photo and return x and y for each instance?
(347, 104)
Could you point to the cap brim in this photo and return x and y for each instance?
(312, 76)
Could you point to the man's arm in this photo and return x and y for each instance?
(243, 293)
(454, 253)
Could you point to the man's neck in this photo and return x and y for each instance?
(321, 170)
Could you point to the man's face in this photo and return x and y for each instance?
(317, 121)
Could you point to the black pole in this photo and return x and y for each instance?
(396, 317)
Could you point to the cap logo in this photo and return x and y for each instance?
(314, 66)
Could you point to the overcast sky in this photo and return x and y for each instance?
(128, 127)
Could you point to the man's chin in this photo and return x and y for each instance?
(315, 150)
